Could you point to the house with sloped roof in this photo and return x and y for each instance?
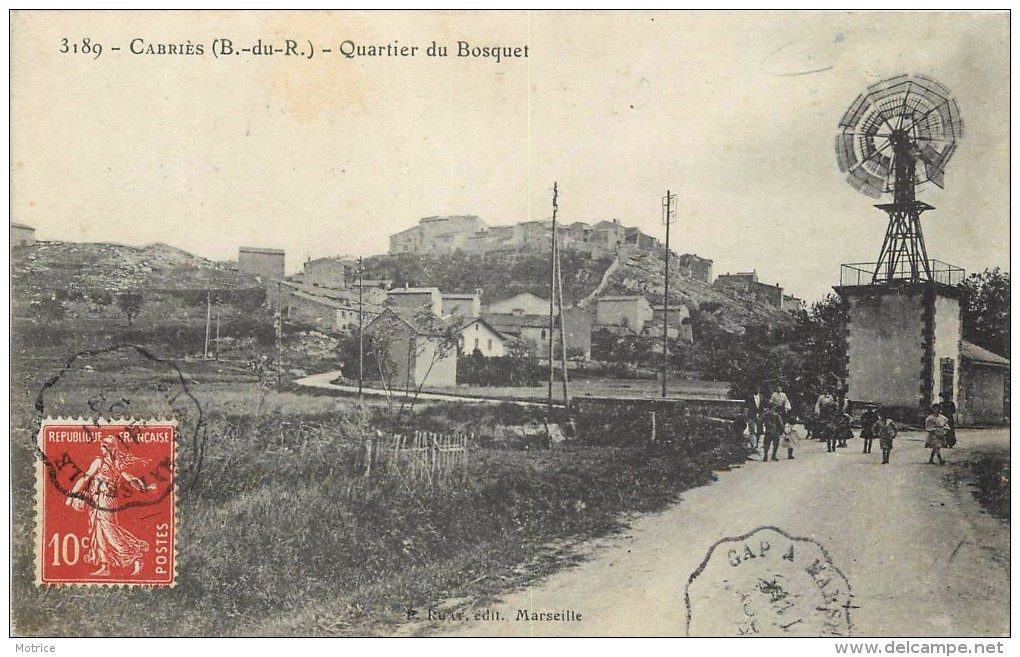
(984, 386)
(412, 349)
(477, 335)
(632, 312)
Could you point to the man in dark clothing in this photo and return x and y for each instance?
(772, 424)
(948, 408)
(868, 421)
(755, 406)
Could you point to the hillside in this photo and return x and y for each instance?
(499, 275)
(643, 275)
(115, 268)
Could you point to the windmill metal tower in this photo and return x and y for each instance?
(897, 136)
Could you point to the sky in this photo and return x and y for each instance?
(736, 113)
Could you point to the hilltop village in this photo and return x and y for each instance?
(325, 294)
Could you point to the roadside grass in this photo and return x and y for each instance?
(281, 534)
(991, 471)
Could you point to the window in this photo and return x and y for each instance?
(543, 334)
(476, 343)
(490, 345)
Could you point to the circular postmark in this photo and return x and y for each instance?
(767, 583)
(125, 381)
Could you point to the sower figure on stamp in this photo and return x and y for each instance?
(773, 427)
(937, 426)
(96, 492)
(885, 429)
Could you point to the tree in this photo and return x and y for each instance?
(422, 336)
(130, 303)
(803, 358)
(986, 310)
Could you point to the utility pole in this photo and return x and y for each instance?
(208, 316)
(563, 327)
(217, 332)
(668, 217)
(552, 298)
(361, 321)
(279, 334)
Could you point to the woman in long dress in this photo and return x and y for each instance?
(96, 492)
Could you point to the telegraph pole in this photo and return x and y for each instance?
(552, 298)
(668, 217)
(361, 320)
(208, 317)
(563, 327)
(217, 332)
(279, 334)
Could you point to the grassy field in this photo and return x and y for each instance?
(281, 534)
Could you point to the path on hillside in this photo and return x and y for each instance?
(920, 557)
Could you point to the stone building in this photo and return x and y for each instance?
(478, 335)
(436, 235)
(678, 322)
(746, 283)
(321, 312)
(904, 340)
(266, 263)
(630, 312)
(693, 266)
(22, 235)
(525, 303)
(984, 386)
(414, 351)
(462, 305)
(532, 330)
(414, 298)
(330, 273)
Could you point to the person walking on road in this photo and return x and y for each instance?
(885, 429)
(937, 426)
(868, 421)
(790, 441)
(773, 426)
(781, 403)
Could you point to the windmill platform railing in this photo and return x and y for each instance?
(870, 273)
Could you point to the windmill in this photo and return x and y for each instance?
(895, 137)
(903, 311)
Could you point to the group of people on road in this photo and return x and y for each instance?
(768, 419)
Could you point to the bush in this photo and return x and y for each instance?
(479, 370)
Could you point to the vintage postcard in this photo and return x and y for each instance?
(511, 324)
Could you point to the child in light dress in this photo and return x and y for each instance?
(790, 439)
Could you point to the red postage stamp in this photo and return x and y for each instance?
(106, 499)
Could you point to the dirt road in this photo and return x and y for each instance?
(918, 556)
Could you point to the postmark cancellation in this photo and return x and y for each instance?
(768, 583)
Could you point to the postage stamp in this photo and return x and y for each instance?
(768, 583)
(106, 502)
